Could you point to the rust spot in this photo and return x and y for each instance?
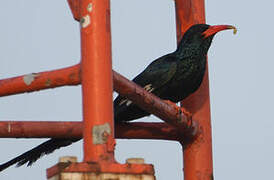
(85, 21)
(135, 161)
(108, 20)
(48, 82)
(67, 159)
(89, 8)
(9, 127)
(111, 143)
(100, 133)
(59, 81)
(72, 76)
(105, 136)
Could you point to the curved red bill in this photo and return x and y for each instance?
(214, 29)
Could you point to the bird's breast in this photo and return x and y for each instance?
(187, 79)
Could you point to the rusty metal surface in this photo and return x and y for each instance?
(38, 81)
(122, 85)
(69, 169)
(142, 130)
(75, 8)
(154, 105)
(188, 12)
(71, 76)
(57, 129)
(40, 129)
(96, 76)
(117, 168)
(101, 176)
(100, 132)
(198, 153)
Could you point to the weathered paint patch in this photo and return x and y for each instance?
(135, 161)
(48, 82)
(85, 21)
(89, 8)
(66, 159)
(104, 176)
(99, 133)
(9, 128)
(29, 78)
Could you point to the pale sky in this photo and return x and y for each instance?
(37, 35)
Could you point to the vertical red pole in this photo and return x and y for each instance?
(96, 77)
(198, 153)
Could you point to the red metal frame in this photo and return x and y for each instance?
(40, 81)
(96, 77)
(56, 129)
(197, 153)
(121, 84)
(94, 72)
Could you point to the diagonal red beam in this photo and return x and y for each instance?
(125, 87)
(153, 104)
(57, 129)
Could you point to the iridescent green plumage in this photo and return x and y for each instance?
(173, 76)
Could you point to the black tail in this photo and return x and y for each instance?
(34, 154)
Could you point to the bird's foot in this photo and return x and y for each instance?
(180, 109)
(186, 113)
(172, 104)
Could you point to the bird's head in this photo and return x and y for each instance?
(198, 38)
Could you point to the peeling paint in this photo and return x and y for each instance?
(67, 159)
(72, 76)
(99, 133)
(48, 82)
(85, 21)
(89, 8)
(29, 78)
(9, 128)
(135, 161)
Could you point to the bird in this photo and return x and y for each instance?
(172, 77)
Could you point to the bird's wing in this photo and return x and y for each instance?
(157, 74)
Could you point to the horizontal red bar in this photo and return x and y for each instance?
(38, 81)
(56, 129)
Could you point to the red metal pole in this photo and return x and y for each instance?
(96, 77)
(197, 153)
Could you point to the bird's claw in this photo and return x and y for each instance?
(172, 104)
(180, 109)
(186, 113)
